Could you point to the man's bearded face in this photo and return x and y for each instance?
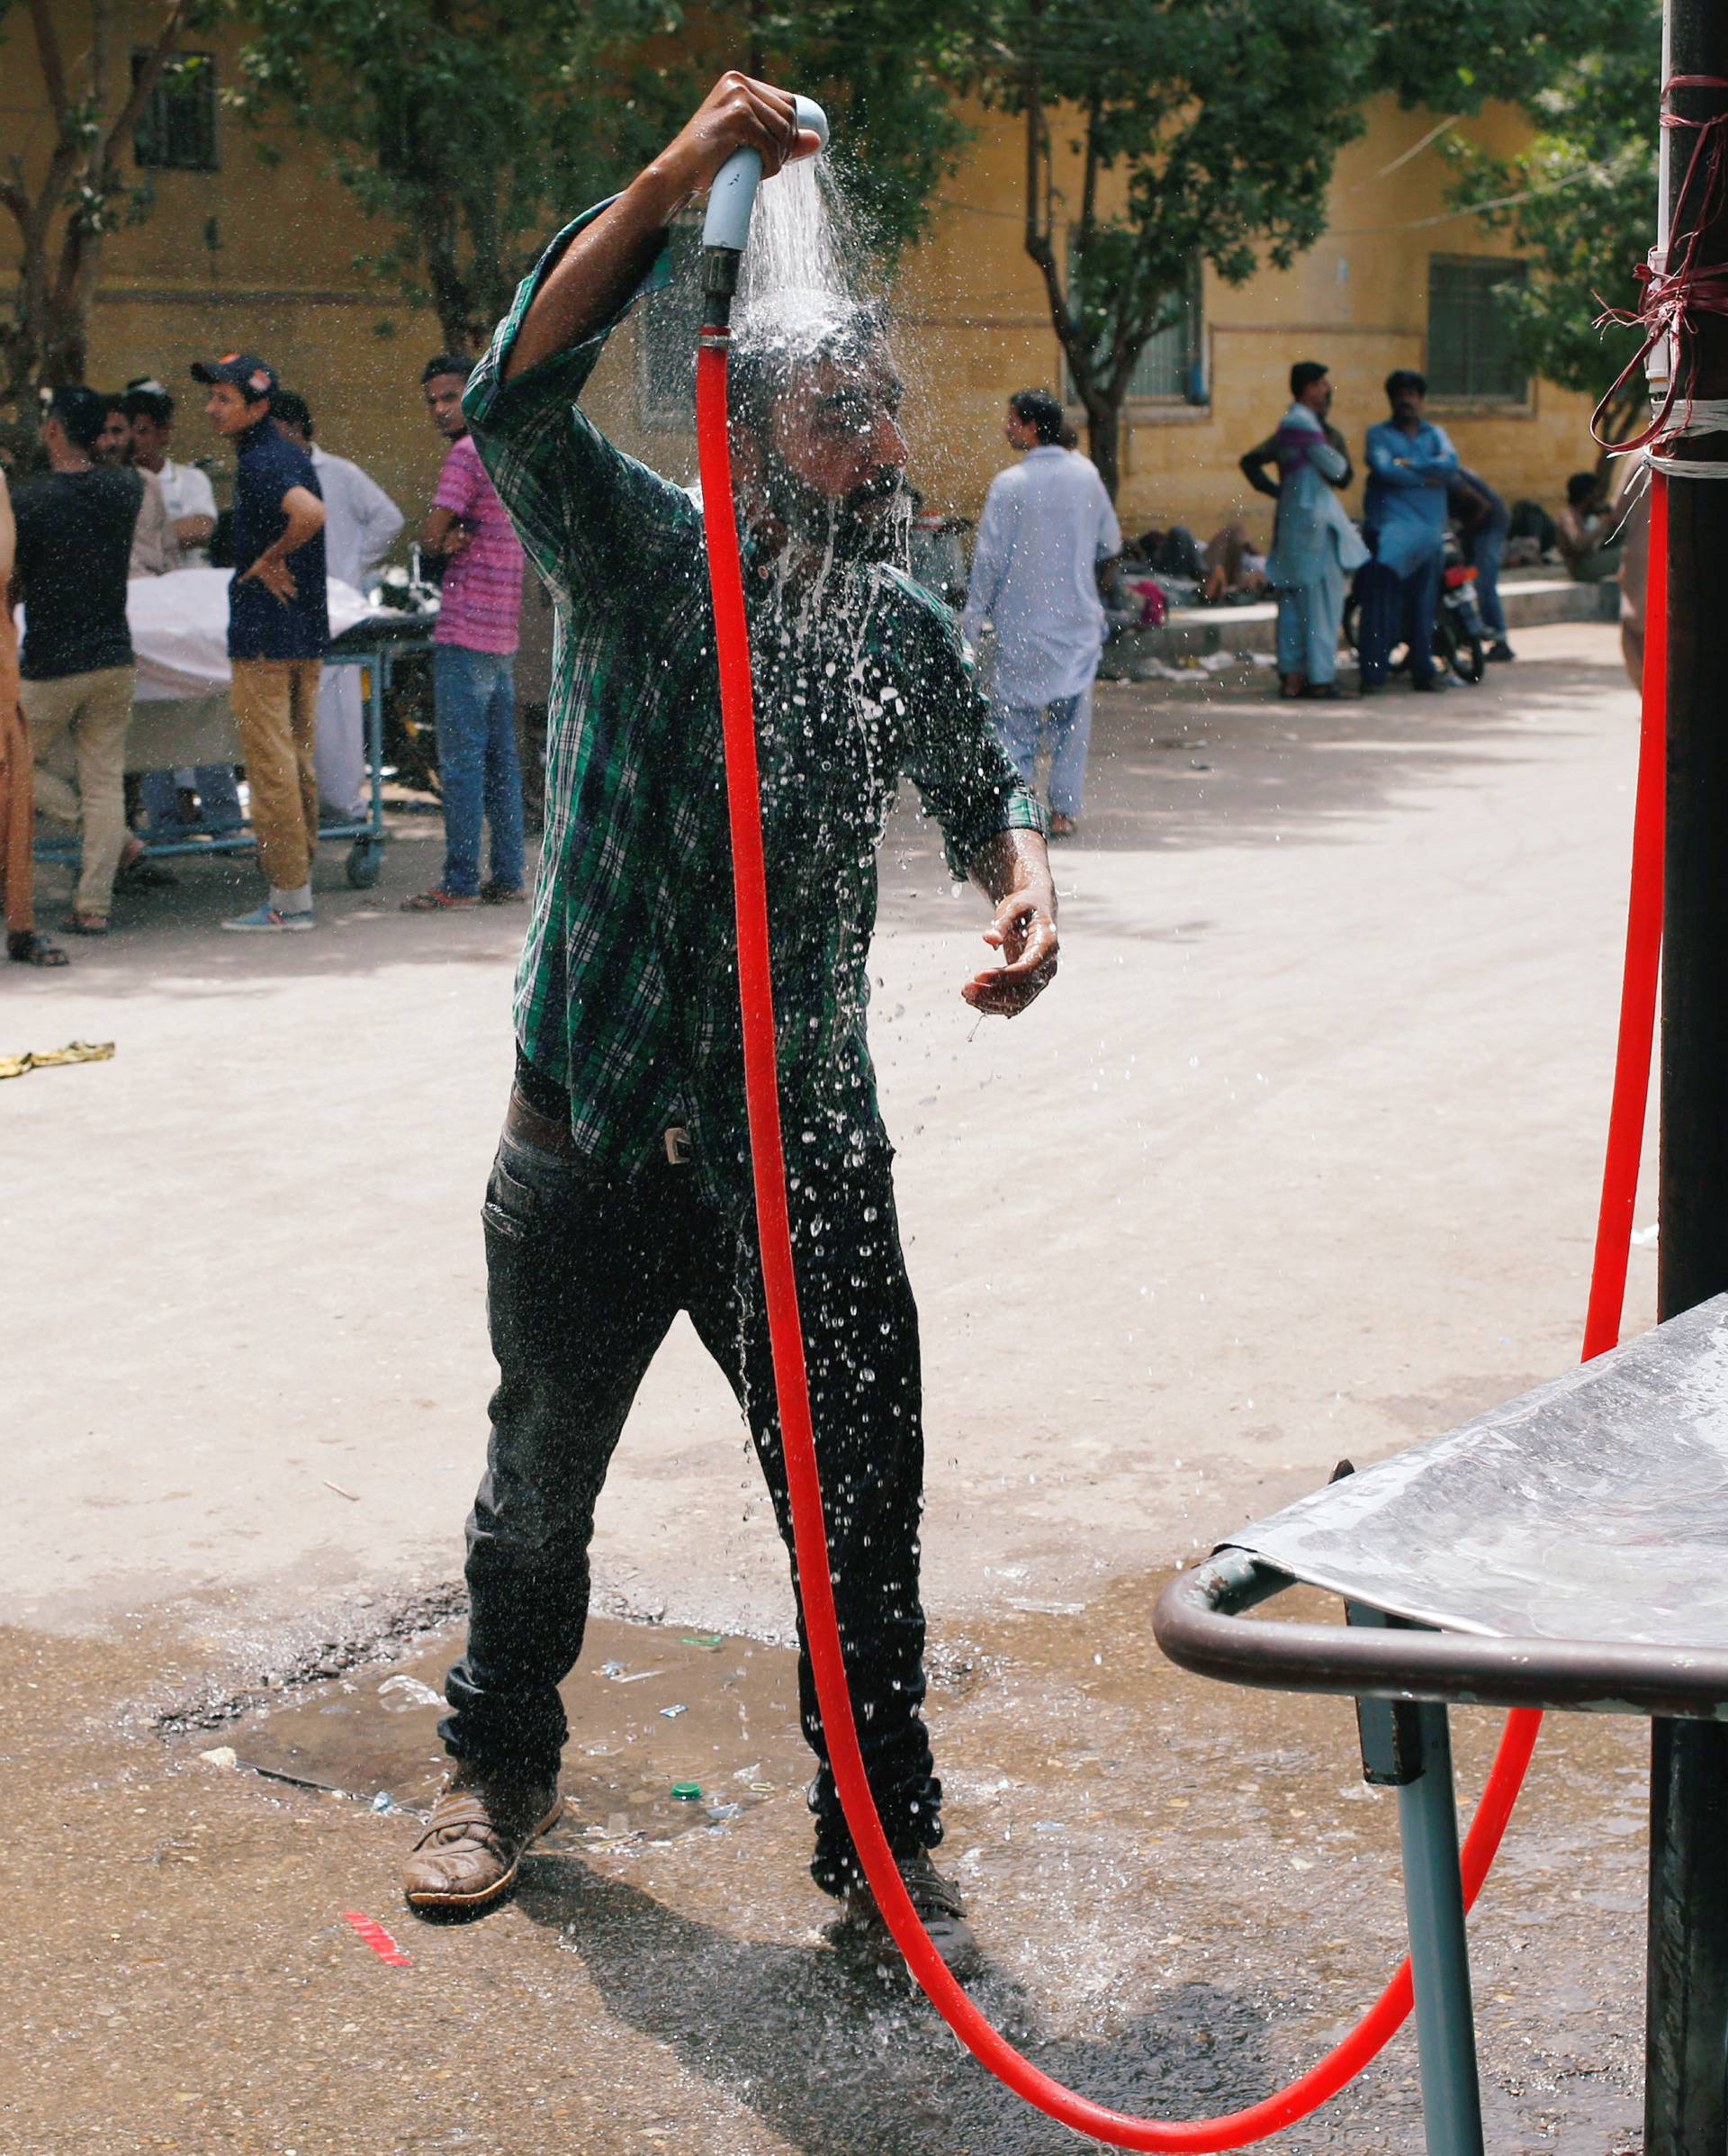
(833, 466)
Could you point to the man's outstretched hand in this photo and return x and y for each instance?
(1014, 868)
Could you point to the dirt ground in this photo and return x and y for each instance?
(1297, 1161)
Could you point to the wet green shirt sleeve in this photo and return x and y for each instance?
(585, 511)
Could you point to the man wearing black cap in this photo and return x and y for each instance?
(278, 625)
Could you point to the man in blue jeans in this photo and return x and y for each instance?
(1410, 462)
(473, 662)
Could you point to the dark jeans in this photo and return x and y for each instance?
(585, 1275)
(1396, 609)
(1484, 550)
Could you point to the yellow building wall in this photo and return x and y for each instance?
(262, 253)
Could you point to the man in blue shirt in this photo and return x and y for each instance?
(1404, 520)
(278, 624)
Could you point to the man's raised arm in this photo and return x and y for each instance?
(608, 259)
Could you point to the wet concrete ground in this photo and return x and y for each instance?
(1184, 1892)
(1298, 1161)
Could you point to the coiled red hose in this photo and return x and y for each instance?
(1341, 2065)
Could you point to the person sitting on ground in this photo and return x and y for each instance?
(1585, 530)
(621, 1193)
(1230, 568)
(74, 525)
(25, 945)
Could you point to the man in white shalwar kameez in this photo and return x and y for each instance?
(1046, 524)
(360, 520)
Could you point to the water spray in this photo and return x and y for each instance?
(725, 237)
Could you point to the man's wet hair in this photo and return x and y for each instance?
(149, 402)
(1305, 374)
(446, 362)
(83, 413)
(772, 351)
(1402, 378)
(293, 409)
(1581, 487)
(1039, 410)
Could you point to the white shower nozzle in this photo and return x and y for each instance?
(734, 194)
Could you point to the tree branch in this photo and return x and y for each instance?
(50, 60)
(173, 25)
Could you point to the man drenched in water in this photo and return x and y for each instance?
(620, 1193)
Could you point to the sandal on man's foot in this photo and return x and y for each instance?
(24, 947)
(86, 924)
(501, 894)
(438, 900)
(472, 1846)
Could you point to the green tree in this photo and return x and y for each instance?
(885, 71)
(67, 197)
(466, 128)
(1201, 131)
(1579, 202)
(456, 123)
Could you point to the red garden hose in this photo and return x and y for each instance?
(1341, 2065)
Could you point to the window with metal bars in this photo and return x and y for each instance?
(1472, 360)
(1171, 368)
(666, 334)
(176, 130)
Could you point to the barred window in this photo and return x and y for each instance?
(176, 130)
(667, 326)
(1472, 360)
(1171, 368)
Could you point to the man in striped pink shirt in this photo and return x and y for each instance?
(473, 664)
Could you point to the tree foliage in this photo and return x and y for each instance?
(467, 130)
(1201, 131)
(455, 126)
(1579, 202)
(64, 202)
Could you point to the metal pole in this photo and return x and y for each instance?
(1427, 1825)
(1685, 2105)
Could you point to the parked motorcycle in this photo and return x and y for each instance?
(1460, 638)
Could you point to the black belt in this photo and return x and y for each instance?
(524, 1122)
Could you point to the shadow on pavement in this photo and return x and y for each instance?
(841, 2061)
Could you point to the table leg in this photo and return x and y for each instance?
(1427, 1820)
(1685, 2107)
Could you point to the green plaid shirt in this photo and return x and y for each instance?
(628, 993)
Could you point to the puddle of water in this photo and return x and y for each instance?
(651, 1708)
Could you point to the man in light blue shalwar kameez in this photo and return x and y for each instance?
(1315, 546)
(1046, 524)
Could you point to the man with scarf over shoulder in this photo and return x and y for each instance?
(1315, 546)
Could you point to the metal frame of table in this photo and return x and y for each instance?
(1404, 1677)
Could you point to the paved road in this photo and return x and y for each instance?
(1296, 1161)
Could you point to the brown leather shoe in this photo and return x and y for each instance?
(472, 1848)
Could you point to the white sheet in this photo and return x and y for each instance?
(179, 625)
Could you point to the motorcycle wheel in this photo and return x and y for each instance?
(1469, 659)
